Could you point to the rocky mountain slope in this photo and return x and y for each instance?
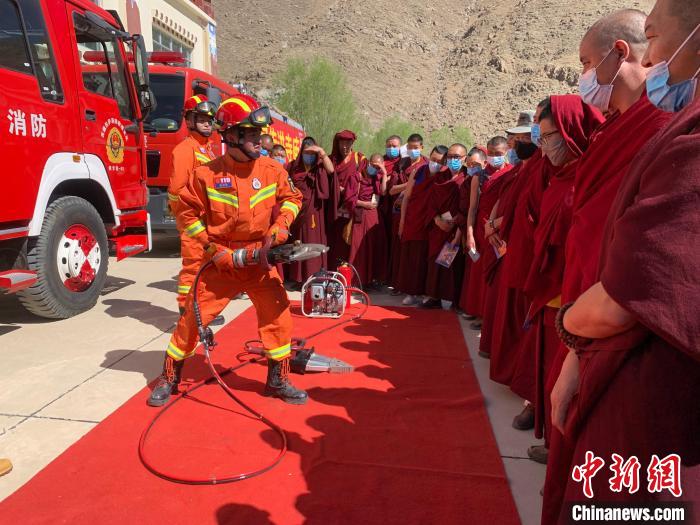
(443, 62)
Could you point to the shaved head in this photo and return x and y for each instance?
(686, 11)
(626, 25)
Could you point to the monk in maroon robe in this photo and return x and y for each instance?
(631, 383)
(510, 190)
(392, 163)
(484, 194)
(476, 164)
(396, 187)
(309, 172)
(414, 226)
(445, 283)
(343, 186)
(368, 245)
(567, 125)
(600, 172)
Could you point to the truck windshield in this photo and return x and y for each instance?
(169, 92)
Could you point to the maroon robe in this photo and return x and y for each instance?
(473, 301)
(444, 283)
(403, 171)
(368, 248)
(598, 178)
(639, 390)
(492, 274)
(386, 205)
(341, 204)
(511, 304)
(310, 224)
(577, 123)
(520, 232)
(413, 266)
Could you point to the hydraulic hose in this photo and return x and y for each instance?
(207, 342)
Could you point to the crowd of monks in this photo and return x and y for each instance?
(571, 241)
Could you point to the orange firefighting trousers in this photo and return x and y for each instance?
(192, 254)
(216, 289)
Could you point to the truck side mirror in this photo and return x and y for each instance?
(147, 100)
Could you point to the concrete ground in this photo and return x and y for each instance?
(61, 378)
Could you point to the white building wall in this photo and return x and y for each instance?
(180, 19)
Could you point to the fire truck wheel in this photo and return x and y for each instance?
(70, 256)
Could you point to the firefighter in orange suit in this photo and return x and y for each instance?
(226, 207)
(192, 152)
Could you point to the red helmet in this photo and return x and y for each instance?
(244, 111)
(200, 105)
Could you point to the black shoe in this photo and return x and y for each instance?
(485, 355)
(526, 419)
(431, 304)
(476, 325)
(278, 384)
(538, 453)
(167, 382)
(218, 321)
(468, 317)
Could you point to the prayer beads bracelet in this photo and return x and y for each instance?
(570, 340)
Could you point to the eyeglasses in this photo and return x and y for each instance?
(546, 138)
(451, 157)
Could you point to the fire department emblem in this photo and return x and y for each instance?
(257, 184)
(115, 140)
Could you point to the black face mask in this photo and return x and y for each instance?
(525, 150)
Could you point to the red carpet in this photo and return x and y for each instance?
(405, 439)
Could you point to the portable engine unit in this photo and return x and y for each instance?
(325, 294)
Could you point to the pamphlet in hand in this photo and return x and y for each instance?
(447, 254)
(475, 256)
(501, 250)
(375, 199)
(447, 217)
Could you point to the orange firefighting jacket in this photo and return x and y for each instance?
(192, 152)
(231, 203)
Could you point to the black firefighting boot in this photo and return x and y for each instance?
(278, 384)
(167, 382)
(219, 320)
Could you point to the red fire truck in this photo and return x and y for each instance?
(72, 141)
(172, 83)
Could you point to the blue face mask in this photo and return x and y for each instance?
(309, 159)
(264, 152)
(474, 170)
(671, 98)
(434, 167)
(371, 171)
(496, 162)
(513, 157)
(392, 152)
(454, 165)
(535, 134)
(414, 153)
(281, 160)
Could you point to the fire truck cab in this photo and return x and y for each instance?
(72, 142)
(172, 82)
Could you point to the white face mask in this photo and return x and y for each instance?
(592, 92)
(434, 167)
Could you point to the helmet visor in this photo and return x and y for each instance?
(206, 108)
(259, 118)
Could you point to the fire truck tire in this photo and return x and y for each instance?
(70, 257)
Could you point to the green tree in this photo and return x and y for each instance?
(316, 94)
(375, 142)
